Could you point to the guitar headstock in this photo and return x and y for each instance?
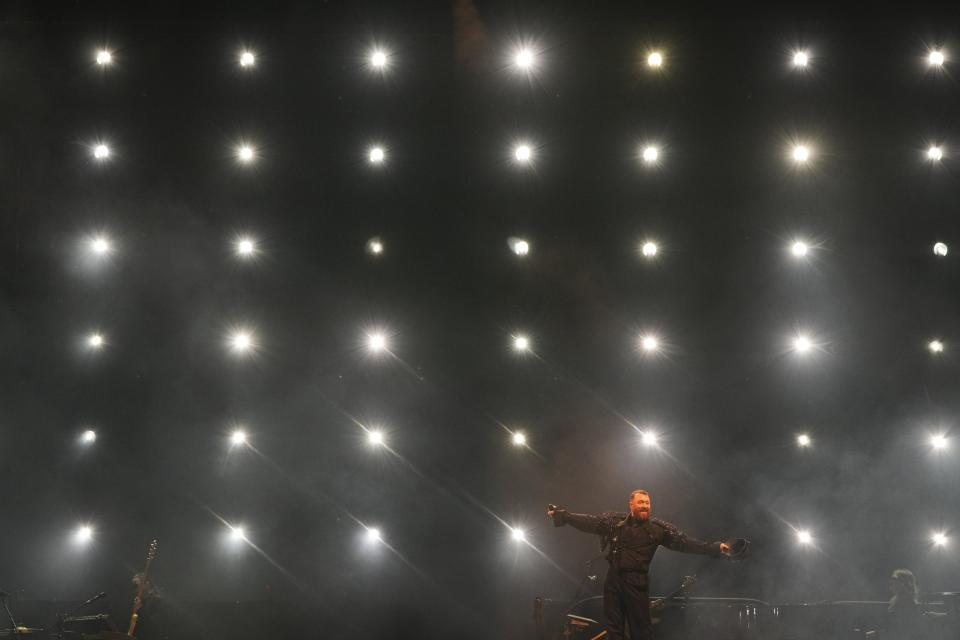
(152, 551)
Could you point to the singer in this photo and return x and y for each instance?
(632, 540)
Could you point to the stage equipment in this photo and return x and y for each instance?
(142, 588)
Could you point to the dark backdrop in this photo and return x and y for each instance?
(725, 295)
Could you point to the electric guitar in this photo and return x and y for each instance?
(142, 588)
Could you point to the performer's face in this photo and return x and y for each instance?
(640, 506)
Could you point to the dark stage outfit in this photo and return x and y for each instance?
(632, 543)
(906, 620)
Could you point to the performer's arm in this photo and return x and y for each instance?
(677, 540)
(583, 522)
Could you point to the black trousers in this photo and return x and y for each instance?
(626, 605)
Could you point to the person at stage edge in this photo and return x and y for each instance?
(632, 540)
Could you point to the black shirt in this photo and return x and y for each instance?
(633, 541)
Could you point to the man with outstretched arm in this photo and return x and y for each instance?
(632, 540)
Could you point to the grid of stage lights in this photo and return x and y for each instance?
(243, 341)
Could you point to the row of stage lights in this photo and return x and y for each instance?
(648, 437)
(237, 534)
(523, 153)
(246, 247)
(242, 341)
(526, 59)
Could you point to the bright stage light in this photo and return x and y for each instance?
(939, 539)
(935, 153)
(935, 346)
(940, 249)
(518, 534)
(649, 249)
(521, 343)
(375, 246)
(377, 155)
(524, 59)
(800, 58)
(939, 442)
(100, 246)
(241, 341)
(237, 534)
(101, 152)
(375, 437)
(88, 437)
(936, 58)
(523, 153)
(104, 57)
(801, 153)
(245, 154)
(95, 341)
(376, 342)
(378, 59)
(373, 535)
(799, 249)
(650, 154)
(83, 534)
(649, 343)
(519, 438)
(802, 344)
(521, 247)
(649, 438)
(803, 440)
(246, 247)
(655, 59)
(238, 437)
(247, 59)
(804, 537)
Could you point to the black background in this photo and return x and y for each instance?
(728, 396)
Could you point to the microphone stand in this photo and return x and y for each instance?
(586, 578)
(62, 617)
(13, 623)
